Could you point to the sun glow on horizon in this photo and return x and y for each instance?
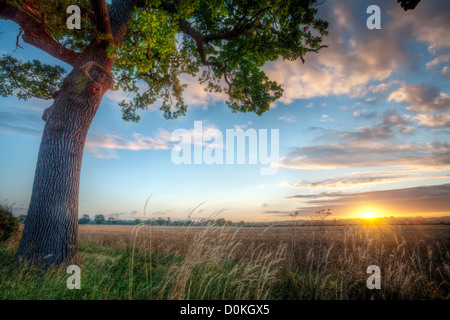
(369, 212)
(369, 215)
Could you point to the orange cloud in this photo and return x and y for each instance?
(421, 98)
(359, 154)
(105, 145)
(364, 179)
(435, 120)
(417, 200)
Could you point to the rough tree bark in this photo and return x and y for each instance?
(51, 228)
(50, 235)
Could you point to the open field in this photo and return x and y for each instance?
(164, 238)
(307, 262)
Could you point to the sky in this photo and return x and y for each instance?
(363, 126)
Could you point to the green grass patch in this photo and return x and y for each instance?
(105, 274)
(111, 274)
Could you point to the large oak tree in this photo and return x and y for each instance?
(141, 47)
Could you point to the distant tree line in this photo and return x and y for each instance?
(101, 219)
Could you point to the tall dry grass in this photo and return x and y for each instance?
(210, 262)
(312, 262)
(326, 266)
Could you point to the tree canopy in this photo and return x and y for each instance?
(224, 43)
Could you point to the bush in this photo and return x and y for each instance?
(8, 223)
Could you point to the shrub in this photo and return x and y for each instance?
(8, 223)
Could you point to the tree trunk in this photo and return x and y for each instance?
(50, 235)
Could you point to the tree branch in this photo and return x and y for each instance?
(313, 50)
(120, 14)
(35, 34)
(199, 41)
(101, 17)
(241, 26)
(17, 39)
(238, 30)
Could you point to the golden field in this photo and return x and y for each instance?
(314, 262)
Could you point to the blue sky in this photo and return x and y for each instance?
(364, 126)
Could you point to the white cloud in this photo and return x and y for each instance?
(438, 60)
(431, 120)
(445, 71)
(359, 61)
(421, 98)
(364, 153)
(242, 126)
(104, 145)
(351, 63)
(288, 119)
(118, 96)
(429, 23)
(326, 118)
(367, 178)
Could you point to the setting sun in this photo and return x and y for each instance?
(367, 212)
(369, 215)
